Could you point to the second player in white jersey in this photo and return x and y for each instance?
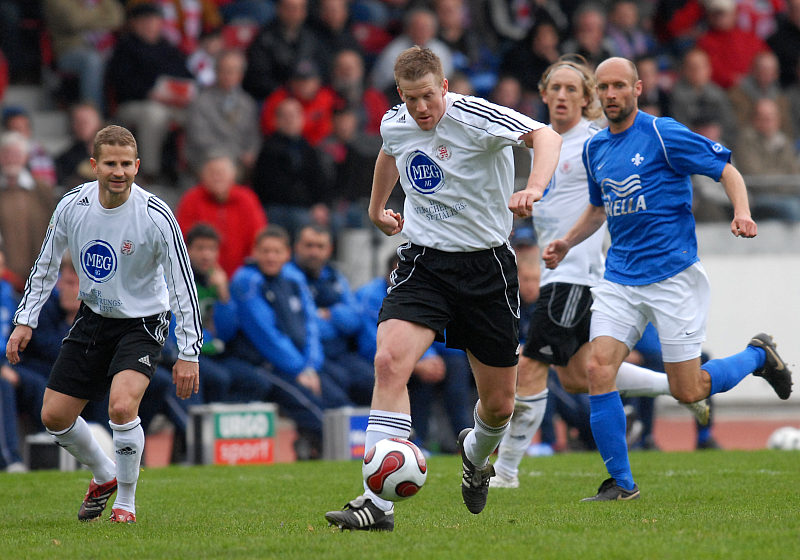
(125, 271)
(133, 267)
(561, 206)
(452, 173)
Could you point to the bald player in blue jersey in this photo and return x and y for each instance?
(639, 172)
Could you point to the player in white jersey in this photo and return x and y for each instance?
(638, 172)
(133, 267)
(559, 327)
(453, 157)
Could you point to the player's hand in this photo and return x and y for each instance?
(17, 343)
(389, 222)
(186, 377)
(309, 379)
(554, 253)
(744, 226)
(521, 202)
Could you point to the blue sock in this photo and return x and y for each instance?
(607, 419)
(726, 373)
(703, 434)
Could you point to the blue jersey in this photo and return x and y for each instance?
(642, 178)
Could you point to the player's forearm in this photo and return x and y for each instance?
(736, 190)
(546, 144)
(589, 222)
(383, 182)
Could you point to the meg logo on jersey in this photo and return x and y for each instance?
(423, 173)
(98, 261)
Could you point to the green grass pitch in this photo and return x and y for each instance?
(714, 504)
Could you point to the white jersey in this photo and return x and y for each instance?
(131, 261)
(564, 200)
(459, 176)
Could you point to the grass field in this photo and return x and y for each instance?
(715, 504)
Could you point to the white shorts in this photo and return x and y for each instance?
(677, 307)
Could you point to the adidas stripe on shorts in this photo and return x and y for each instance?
(98, 347)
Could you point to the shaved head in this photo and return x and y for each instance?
(619, 64)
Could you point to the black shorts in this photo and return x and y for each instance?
(473, 295)
(97, 348)
(560, 323)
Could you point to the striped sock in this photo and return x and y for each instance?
(384, 424)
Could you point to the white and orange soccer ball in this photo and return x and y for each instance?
(395, 469)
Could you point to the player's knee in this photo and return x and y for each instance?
(531, 375)
(122, 410)
(388, 369)
(687, 394)
(498, 410)
(54, 421)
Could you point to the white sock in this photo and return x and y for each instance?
(635, 381)
(79, 441)
(528, 414)
(481, 442)
(128, 447)
(384, 424)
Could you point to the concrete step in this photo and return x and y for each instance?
(32, 97)
(51, 129)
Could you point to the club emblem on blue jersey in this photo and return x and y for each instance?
(423, 173)
(98, 261)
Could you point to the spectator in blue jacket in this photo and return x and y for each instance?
(21, 390)
(279, 329)
(243, 381)
(338, 313)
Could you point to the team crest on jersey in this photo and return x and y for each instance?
(443, 152)
(98, 261)
(128, 247)
(717, 147)
(424, 173)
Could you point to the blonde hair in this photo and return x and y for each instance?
(415, 63)
(114, 135)
(577, 63)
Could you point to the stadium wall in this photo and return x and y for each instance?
(755, 287)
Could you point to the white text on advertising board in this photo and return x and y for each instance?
(244, 425)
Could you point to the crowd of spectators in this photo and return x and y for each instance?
(256, 112)
(196, 78)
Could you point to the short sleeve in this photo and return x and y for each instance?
(689, 153)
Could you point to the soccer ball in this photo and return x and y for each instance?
(786, 438)
(394, 469)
